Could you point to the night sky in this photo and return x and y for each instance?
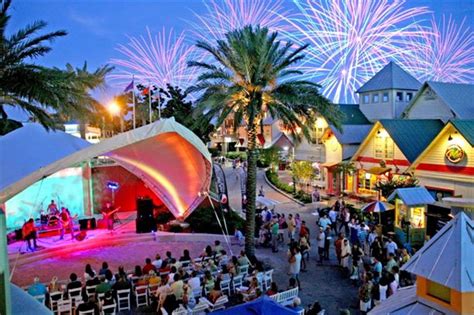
(97, 27)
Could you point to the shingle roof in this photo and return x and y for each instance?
(412, 136)
(404, 301)
(352, 115)
(351, 134)
(390, 77)
(459, 97)
(448, 258)
(413, 196)
(465, 128)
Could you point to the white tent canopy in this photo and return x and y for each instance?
(171, 160)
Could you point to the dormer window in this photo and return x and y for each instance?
(385, 97)
(399, 97)
(366, 99)
(408, 96)
(375, 98)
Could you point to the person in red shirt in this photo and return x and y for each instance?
(148, 266)
(273, 289)
(29, 233)
(304, 231)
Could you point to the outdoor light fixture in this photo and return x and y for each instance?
(450, 138)
(378, 132)
(112, 185)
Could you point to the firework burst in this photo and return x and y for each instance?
(445, 54)
(350, 40)
(159, 59)
(227, 15)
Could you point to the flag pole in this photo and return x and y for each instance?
(149, 101)
(159, 105)
(133, 97)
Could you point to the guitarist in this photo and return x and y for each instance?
(65, 221)
(29, 232)
(108, 214)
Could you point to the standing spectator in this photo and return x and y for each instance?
(304, 231)
(365, 295)
(324, 222)
(393, 285)
(354, 231)
(391, 247)
(321, 241)
(315, 196)
(297, 223)
(261, 192)
(327, 242)
(345, 219)
(377, 249)
(390, 262)
(37, 288)
(305, 248)
(333, 218)
(291, 228)
(377, 267)
(338, 246)
(345, 254)
(239, 236)
(275, 227)
(362, 235)
(29, 233)
(295, 263)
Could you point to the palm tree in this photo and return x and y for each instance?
(251, 76)
(37, 89)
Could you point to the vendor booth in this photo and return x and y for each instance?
(410, 214)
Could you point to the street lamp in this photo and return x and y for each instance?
(115, 110)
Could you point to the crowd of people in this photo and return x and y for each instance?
(175, 281)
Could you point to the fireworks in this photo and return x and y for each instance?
(159, 59)
(444, 54)
(227, 15)
(350, 40)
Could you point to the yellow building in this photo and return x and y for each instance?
(444, 267)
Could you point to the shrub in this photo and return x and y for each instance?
(203, 220)
(236, 155)
(214, 152)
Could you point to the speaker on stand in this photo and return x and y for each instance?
(145, 223)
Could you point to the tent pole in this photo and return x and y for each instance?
(5, 297)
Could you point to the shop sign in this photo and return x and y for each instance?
(454, 153)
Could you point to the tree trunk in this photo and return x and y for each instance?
(251, 191)
(82, 128)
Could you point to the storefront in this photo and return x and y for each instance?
(446, 166)
(411, 206)
(367, 179)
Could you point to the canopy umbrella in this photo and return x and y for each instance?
(377, 206)
(263, 305)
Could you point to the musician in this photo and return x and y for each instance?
(65, 221)
(53, 208)
(29, 233)
(108, 214)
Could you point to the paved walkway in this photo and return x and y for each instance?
(324, 283)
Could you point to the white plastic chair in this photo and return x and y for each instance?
(244, 270)
(267, 279)
(218, 305)
(54, 297)
(108, 309)
(225, 286)
(200, 308)
(89, 312)
(64, 306)
(180, 310)
(123, 300)
(237, 282)
(90, 290)
(141, 295)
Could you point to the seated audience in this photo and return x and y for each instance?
(177, 287)
(157, 262)
(87, 305)
(104, 268)
(215, 293)
(273, 289)
(73, 282)
(148, 266)
(37, 288)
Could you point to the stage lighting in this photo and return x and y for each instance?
(113, 185)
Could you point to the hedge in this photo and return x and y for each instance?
(300, 195)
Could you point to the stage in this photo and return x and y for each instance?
(122, 247)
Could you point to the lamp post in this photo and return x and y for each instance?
(114, 110)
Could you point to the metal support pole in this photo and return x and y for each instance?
(5, 297)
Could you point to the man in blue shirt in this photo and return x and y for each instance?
(37, 288)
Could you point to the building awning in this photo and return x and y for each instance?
(328, 164)
(412, 196)
(378, 170)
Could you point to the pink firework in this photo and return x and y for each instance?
(159, 59)
(227, 15)
(350, 40)
(445, 54)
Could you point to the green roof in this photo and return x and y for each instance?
(412, 136)
(353, 115)
(465, 128)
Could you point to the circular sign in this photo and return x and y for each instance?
(454, 153)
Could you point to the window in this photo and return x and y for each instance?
(375, 98)
(385, 97)
(439, 291)
(399, 97)
(366, 99)
(383, 146)
(408, 96)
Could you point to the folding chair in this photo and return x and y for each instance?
(141, 295)
(123, 300)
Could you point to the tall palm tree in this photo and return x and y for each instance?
(253, 74)
(37, 89)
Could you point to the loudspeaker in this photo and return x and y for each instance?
(83, 224)
(144, 208)
(145, 225)
(92, 224)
